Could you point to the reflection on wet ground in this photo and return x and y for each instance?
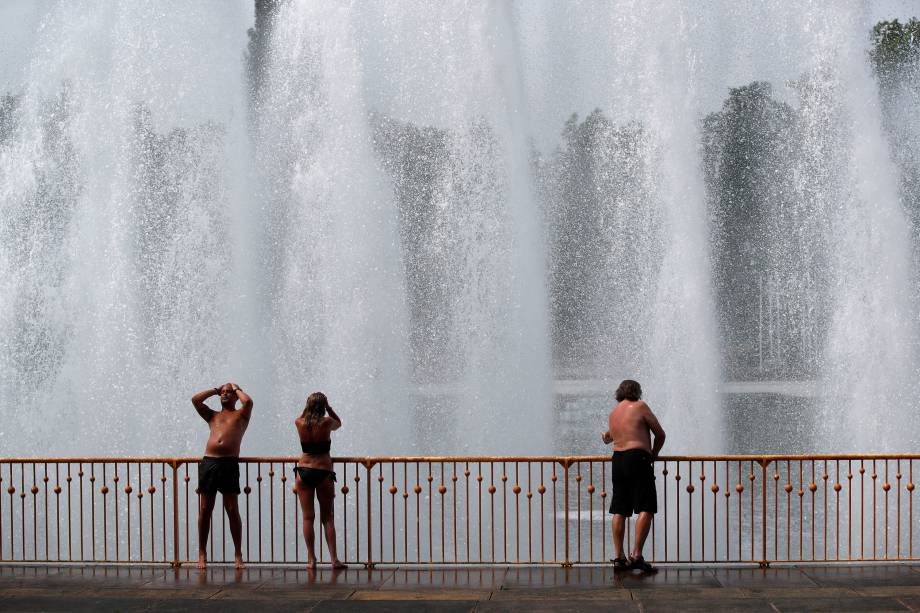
(792, 588)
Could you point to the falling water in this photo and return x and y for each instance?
(396, 205)
(117, 212)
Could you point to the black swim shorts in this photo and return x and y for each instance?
(313, 476)
(633, 478)
(219, 475)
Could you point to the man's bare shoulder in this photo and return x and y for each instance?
(632, 406)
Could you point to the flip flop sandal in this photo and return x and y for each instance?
(620, 564)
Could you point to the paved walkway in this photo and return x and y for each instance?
(277, 590)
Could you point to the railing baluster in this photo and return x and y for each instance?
(430, 516)
(344, 490)
(702, 479)
(874, 513)
(751, 496)
(128, 505)
(418, 510)
(690, 507)
(140, 512)
(162, 502)
(886, 486)
(604, 510)
(849, 509)
(45, 481)
(554, 479)
(776, 510)
(898, 506)
(566, 499)
(529, 513)
(677, 478)
(406, 512)
(578, 510)
(714, 488)
(590, 511)
(68, 480)
(175, 518)
(910, 507)
(284, 513)
(492, 505)
(454, 498)
(380, 509)
(370, 519)
(441, 491)
(34, 490)
(824, 479)
(504, 479)
(727, 495)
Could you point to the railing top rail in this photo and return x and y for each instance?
(566, 459)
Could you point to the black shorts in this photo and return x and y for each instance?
(633, 478)
(219, 475)
(313, 476)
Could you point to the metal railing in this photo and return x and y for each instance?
(466, 510)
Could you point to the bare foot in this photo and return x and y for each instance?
(338, 564)
(202, 561)
(311, 564)
(239, 562)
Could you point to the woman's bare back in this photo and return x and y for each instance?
(318, 432)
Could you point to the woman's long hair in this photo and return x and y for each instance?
(315, 409)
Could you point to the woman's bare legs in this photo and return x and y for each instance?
(305, 493)
(326, 493)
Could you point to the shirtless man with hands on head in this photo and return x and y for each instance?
(219, 470)
(629, 427)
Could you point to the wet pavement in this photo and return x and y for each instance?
(713, 589)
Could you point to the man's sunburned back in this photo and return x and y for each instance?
(227, 429)
(629, 426)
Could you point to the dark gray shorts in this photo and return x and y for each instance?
(633, 477)
(219, 475)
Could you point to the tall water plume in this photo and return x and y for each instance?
(470, 222)
(115, 218)
(814, 264)
(873, 335)
(628, 217)
(337, 307)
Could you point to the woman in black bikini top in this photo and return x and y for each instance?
(314, 474)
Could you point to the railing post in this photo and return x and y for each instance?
(565, 465)
(175, 488)
(370, 550)
(763, 514)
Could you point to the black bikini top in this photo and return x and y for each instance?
(316, 447)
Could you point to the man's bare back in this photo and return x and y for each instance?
(630, 426)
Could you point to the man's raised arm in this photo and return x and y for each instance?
(246, 399)
(198, 402)
(656, 429)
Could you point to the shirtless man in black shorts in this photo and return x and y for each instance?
(219, 470)
(629, 427)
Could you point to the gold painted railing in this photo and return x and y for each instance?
(466, 510)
